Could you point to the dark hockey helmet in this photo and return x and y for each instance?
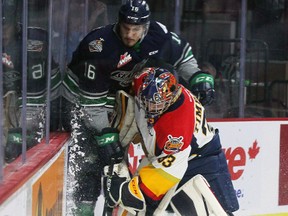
(135, 12)
(159, 90)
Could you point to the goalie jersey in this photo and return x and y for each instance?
(170, 142)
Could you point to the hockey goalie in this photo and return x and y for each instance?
(184, 170)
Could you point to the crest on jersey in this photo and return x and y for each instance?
(35, 46)
(173, 144)
(124, 78)
(96, 45)
(124, 59)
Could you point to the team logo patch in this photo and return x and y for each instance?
(35, 46)
(124, 59)
(96, 45)
(173, 144)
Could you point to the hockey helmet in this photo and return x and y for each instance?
(159, 90)
(135, 12)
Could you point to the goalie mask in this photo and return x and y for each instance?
(158, 91)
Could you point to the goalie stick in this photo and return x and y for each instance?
(108, 185)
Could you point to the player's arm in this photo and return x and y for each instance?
(197, 81)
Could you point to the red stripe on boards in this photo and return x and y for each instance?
(283, 167)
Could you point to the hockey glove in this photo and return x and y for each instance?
(127, 194)
(13, 146)
(110, 149)
(201, 84)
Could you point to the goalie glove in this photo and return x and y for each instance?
(110, 148)
(127, 194)
(201, 84)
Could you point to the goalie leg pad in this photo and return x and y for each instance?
(188, 201)
(196, 198)
(215, 170)
(123, 117)
(183, 205)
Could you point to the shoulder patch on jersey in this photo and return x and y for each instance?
(96, 45)
(173, 144)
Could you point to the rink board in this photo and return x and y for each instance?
(257, 156)
(256, 151)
